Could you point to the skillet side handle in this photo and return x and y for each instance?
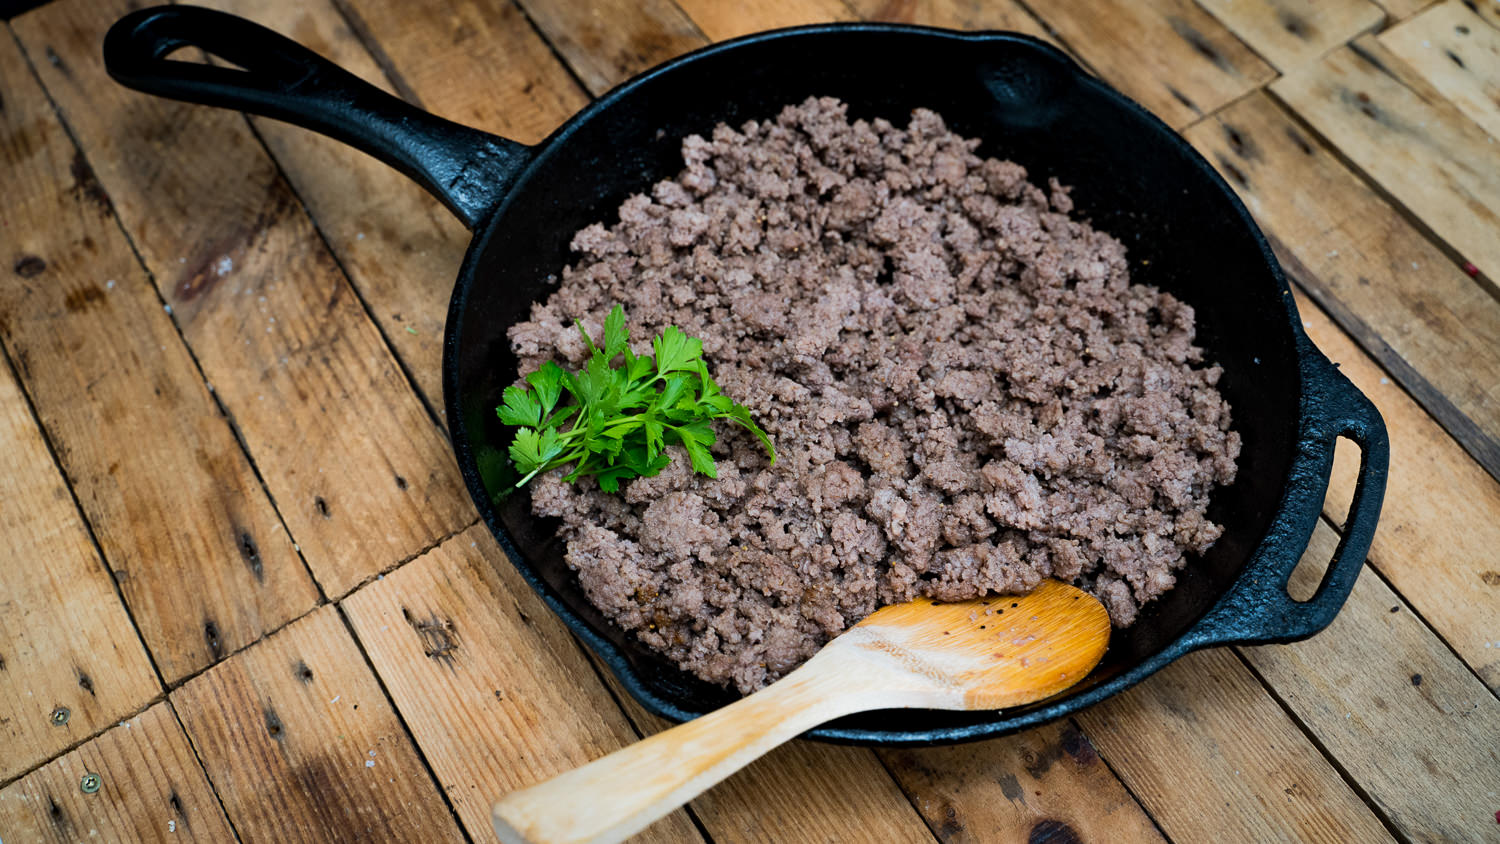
(468, 170)
(1257, 609)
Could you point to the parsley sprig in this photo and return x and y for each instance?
(622, 417)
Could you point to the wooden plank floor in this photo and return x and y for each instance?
(221, 343)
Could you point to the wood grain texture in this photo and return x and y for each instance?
(1362, 683)
(1291, 33)
(1399, 9)
(152, 789)
(495, 690)
(301, 744)
(138, 433)
(1193, 65)
(1458, 52)
(367, 480)
(607, 42)
(719, 20)
(1418, 146)
(65, 639)
(399, 246)
(846, 676)
(1214, 758)
(830, 792)
(1438, 534)
(1388, 285)
(1490, 12)
(953, 14)
(478, 62)
(1045, 784)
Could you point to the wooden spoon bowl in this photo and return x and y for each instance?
(989, 653)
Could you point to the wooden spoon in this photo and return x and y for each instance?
(985, 654)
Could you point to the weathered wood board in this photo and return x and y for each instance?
(190, 535)
(302, 745)
(495, 690)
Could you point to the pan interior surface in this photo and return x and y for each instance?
(1131, 177)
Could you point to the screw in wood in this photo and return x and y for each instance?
(60, 716)
(90, 783)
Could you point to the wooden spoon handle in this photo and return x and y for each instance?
(616, 796)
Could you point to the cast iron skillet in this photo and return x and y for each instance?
(1132, 176)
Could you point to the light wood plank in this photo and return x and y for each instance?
(66, 643)
(1438, 532)
(1213, 758)
(151, 789)
(301, 745)
(1363, 685)
(189, 533)
(1489, 12)
(608, 41)
(719, 20)
(399, 246)
(1385, 281)
(494, 689)
(478, 62)
(1400, 9)
(1291, 33)
(1416, 144)
(1458, 52)
(366, 480)
(954, 14)
(1046, 784)
(1352, 252)
(1168, 55)
(408, 41)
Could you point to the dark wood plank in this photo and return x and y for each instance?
(301, 745)
(1416, 144)
(494, 688)
(1291, 33)
(1363, 685)
(362, 477)
(1192, 66)
(70, 661)
(1213, 757)
(1046, 784)
(1389, 286)
(150, 788)
(1438, 532)
(191, 537)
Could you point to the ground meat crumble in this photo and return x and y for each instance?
(966, 393)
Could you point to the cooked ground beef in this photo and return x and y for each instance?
(966, 393)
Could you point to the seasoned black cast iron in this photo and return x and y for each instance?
(1132, 176)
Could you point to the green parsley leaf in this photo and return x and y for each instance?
(520, 408)
(616, 335)
(622, 417)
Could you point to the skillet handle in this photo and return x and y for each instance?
(1258, 609)
(469, 170)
